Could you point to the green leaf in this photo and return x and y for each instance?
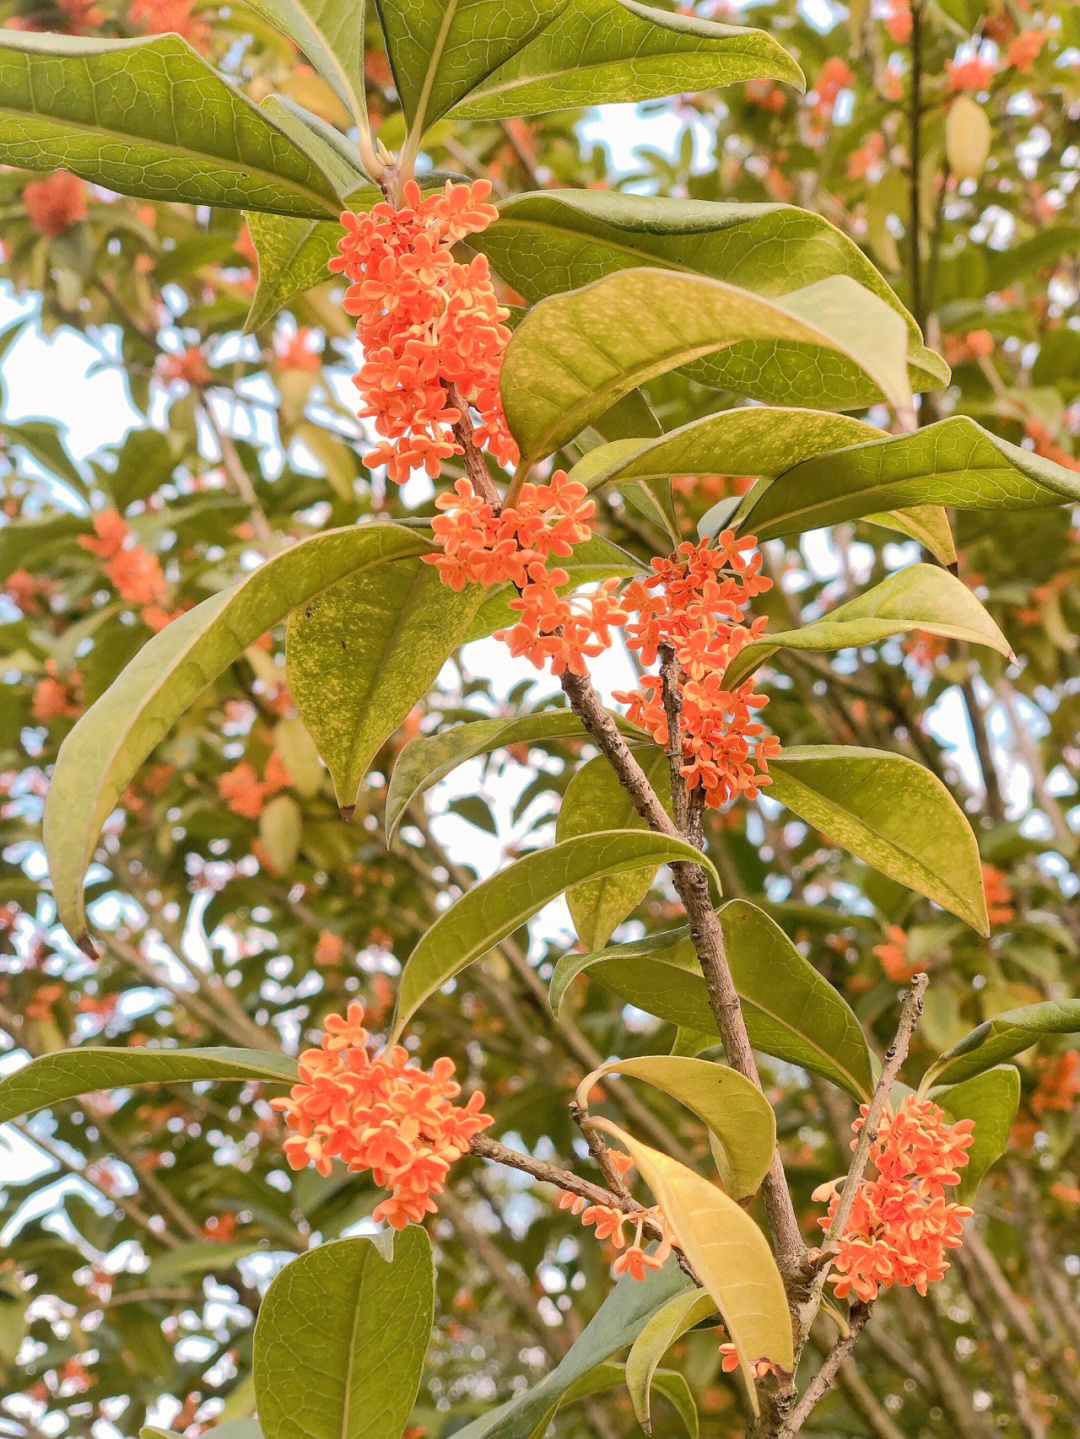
(734, 1110)
(490, 61)
(363, 652)
(612, 1375)
(1006, 1034)
(954, 462)
(615, 1324)
(149, 117)
(991, 1100)
(41, 441)
(676, 1318)
(728, 1253)
(753, 441)
(575, 355)
(549, 241)
(24, 543)
(595, 801)
(67, 1073)
(111, 740)
(921, 597)
(331, 34)
(491, 910)
(207, 1256)
(231, 1429)
(890, 812)
(341, 1337)
(293, 256)
(790, 1010)
(427, 759)
(927, 524)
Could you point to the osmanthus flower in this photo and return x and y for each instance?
(376, 1111)
(999, 897)
(175, 17)
(901, 1224)
(56, 203)
(432, 329)
(693, 604)
(479, 545)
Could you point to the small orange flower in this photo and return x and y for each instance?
(972, 74)
(136, 575)
(242, 791)
(999, 897)
(189, 367)
(170, 17)
(1025, 49)
(56, 203)
(1059, 1083)
(294, 352)
(110, 532)
(894, 957)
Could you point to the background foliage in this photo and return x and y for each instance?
(233, 905)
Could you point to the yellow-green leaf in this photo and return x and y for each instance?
(728, 1253)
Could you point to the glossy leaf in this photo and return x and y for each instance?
(293, 256)
(111, 740)
(575, 355)
(360, 655)
(596, 801)
(790, 1010)
(921, 597)
(341, 1337)
(67, 1073)
(728, 1253)
(548, 241)
(890, 812)
(491, 910)
(331, 34)
(734, 1110)
(427, 759)
(928, 524)
(1005, 1035)
(954, 462)
(991, 1099)
(676, 1318)
(615, 1324)
(487, 61)
(612, 1375)
(753, 441)
(149, 117)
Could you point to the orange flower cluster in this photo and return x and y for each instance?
(974, 73)
(431, 328)
(131, 569)
(1059, 1083)
(693, 604)
(56, 203)
(512, 546)
(894, 957)
(375, 1111)
(245, 794)
(901, 1224)
(999, 897)
(170, 17)
(189, 368)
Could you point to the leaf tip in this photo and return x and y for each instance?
(88, 947)
(346, 811)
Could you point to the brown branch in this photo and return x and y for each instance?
(692, 885)
(821, 1381)
(671, 675)
(235, 471)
